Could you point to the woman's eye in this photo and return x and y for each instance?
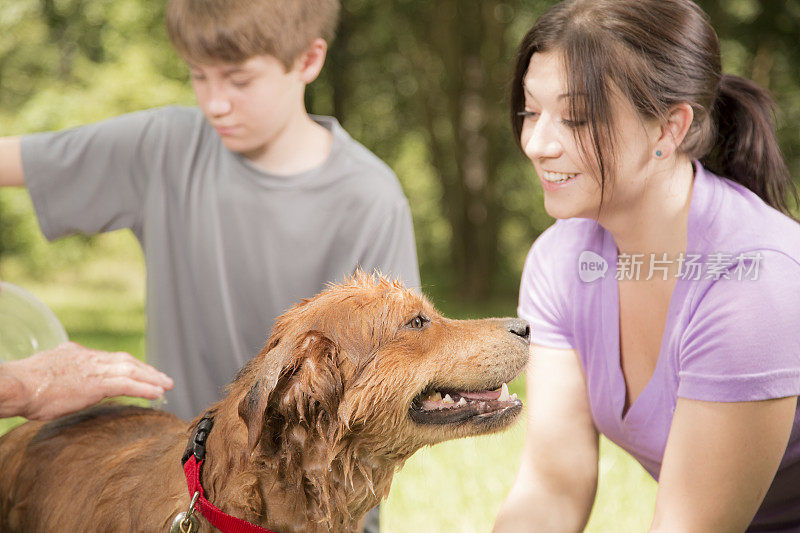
(240, 83)
(527, 114)
(571, 123)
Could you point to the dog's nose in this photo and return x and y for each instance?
(519, 327)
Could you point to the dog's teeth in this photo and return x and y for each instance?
(514, 396)
(435, 397)
(462, 401)
(504, 397)
(447, 399)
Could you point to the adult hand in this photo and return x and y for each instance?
(70, 377)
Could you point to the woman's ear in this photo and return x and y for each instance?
(674, 131)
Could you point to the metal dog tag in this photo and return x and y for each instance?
(185, 523)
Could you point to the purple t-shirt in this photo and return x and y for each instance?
(732, 331)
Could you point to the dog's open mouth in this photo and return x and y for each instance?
(452, 407)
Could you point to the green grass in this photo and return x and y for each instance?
(460, 485)
(457, 486)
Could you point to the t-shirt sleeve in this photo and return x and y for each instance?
(393, 250)
(92, 178)
(742, 342)
(542, 297)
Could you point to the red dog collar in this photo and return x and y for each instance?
(192, 462)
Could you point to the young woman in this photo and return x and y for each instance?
(665, 301)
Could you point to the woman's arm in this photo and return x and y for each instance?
(11, 174)
(719, 462)
(555, 487)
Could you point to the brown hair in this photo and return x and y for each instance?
(657, 54)
(206, 31)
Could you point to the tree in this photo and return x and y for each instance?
(448, 64)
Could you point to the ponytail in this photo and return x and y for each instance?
(746, 148)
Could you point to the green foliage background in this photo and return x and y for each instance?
(388, 79)
(394, 78)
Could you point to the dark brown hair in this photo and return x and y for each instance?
(207, 31)
(657, 54)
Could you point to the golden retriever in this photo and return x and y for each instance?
(309, 434)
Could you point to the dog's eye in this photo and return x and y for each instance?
(418, 322)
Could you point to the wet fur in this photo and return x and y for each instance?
(307, 437)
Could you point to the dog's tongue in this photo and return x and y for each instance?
(483, 395)
(434, 399)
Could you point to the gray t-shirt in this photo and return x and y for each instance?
(227, 246)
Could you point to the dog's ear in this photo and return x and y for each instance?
(299, 382)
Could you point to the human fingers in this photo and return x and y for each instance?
(73, 393)
(125, 386)
(76, 376)
(71, 377)
(125, 365)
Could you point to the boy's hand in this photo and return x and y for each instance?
(70, 377)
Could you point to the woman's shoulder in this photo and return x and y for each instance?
(739, 340)
(558, 251)
(742, 222)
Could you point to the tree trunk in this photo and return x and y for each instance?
(464, 120)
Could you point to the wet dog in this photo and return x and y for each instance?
(309, 434)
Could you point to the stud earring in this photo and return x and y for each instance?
(658, 153)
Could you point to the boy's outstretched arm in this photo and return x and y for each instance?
(11, 174)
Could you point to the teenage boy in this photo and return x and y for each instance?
(242, 206)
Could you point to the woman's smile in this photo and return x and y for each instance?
(553, 181)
